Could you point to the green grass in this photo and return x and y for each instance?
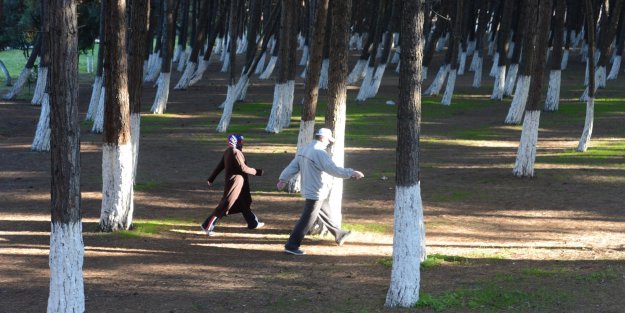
(145, 186)
(368, 228)
(143, 228)
(453, 196)
(602, 153)
(430, 261)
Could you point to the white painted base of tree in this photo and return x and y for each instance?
(199, 72)
(477, 75)
(304, 137)
(182, 61)
(616, 66)
(41, 142)
(154, 70)
(176, 56)
(162, 94)
(565, 59)
(510, 49)
(526, 154)
(17, 87)
(117, 166)
(474, 61)
(96, 91)
(553, 93)
(135, 135)
(261, 65)
(269, 69)
(225, 67)
(242, 85)
(584, 140)
(500, 83)
(274, 124)
(424, 72)
(449, 89)
(67, 291)
(365, 85)
(462, 64)
(40, 87)
(287, 103)
(241, 45)
(471, 47)
(304, 60)
(323, 75)
(230, 97)
(219, 43)
(442, 41)
(600, 77)
(377, 80)
(491, 47)
(304, 72)
(408, 247)
(227, 106)
(511, 76)
(185, 79)
(437, 83)
(495, 67)
(98, 119)
(358, 72)
(395, 58)
(517, 107)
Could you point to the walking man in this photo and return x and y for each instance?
(315, 167)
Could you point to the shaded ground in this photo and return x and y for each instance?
(555, 243)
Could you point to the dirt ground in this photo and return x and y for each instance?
(557, 241)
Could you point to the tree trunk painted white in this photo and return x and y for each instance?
(500, 83)
(600, 76)
(495, 67)
(398, 67)
(471, 47)
(565, 59)
(242, 85)
(274, 124)
(219, 43)
(304, 137)
(463, 61)
(261, 65)
(17, 87)
(199, 72)
(449, 89)
(335, 198)
(66, 261)
(474, 61)
(40, 87)
(365, 85)
(517, 107)
(287, 103)
(304, 60)
(358, 72)
(477, 76)
(135, 134)
(242, 44)
(395, 58)
(510, 49)
(98, 119)
(437, 83)
(227, 105)
(616, 66)
(323, 75)
(584, 97)
(408, 247)
(584, 140)
(442, 41)
(176, 56)
(185, 79)
(182, 60)
(154, 69)
(162, 94)
(96, 91)
(117, 168)
(230, 97)
(553, 93)
(526, 154)
(352, 41)
(269, 69)
(513, 71)
(41, 141)
(377, 80)
(226, 63)
(491, 47)
(424, 72)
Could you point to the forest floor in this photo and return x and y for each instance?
(495, 243)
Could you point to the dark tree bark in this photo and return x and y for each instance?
(184, 23)
(66, 245)
(168, 36)
(137, 51)
(558, 35)
(252, 30)
(200, 34)
(607, 34)
(539, 57)
(314, 62)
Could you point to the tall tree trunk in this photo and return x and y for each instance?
(311, 94)
(215, 31)
(555, 74)
(117, 159)
(526, 154)
(618, 46)
(337, 98)
(454, 46)
(66, 243)
(605, 42)
(44, 59)
(365, 87)
(478, 57)
(409, 228)
(162, 92)
(96, 90)
(590, 102)
(181, 58)
(196, 47)
(502, 50)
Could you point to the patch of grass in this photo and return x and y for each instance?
(609, 274)
(141, 228)
(601, 153)
(145, 186)
(541, 272)
(450, 196)
(386, 261)
(368, 228)
(434, 260)
(489, 298)
(476, 134)
(199, 307)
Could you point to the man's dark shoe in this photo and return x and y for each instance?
(340, 239)
(294, 251)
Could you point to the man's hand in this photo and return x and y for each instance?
(357, 175)
(281, 184)
(209, 183)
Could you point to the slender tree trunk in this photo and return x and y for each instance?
(117, 161)
(44, 60)
(66, 243)
(409, 228)
(502, 50)
(215, 31)
(182, 56)
(198, 41)
(454, 46)
(590, 102)
(555, 74)
(228, 105)
(616, 64)
(526, 154)
(96, 90)
(162, 92)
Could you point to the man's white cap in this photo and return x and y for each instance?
(325, 132)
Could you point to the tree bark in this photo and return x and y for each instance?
(409, 228)
(162, 92)
(66, 243)
(116, 150)
(590, 102)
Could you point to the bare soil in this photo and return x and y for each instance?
(559, 236)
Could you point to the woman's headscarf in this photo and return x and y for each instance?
(235, 140)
